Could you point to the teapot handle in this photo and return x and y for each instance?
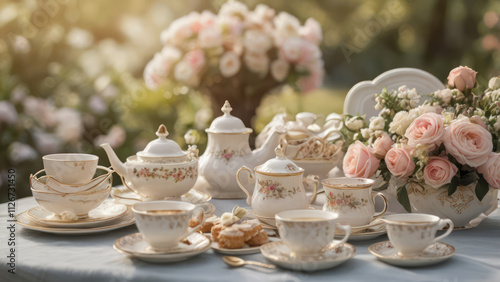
(315, 180)
(124, 181)
(250, 177)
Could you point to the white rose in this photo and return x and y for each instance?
(446, 95)
(257, 62)
(261, 14)
(354, 124)
(257, 41)
(377, 123)
(159, 67)
(178, 31)
(8, 113)
(69, 124)
(494, 83)
(233, 9)
(292, 49)
(286, 26)
(279, 69)
(185, 73)
(496, 126)
(229, 64)
(210, 37)
(400, 123)
(366, 133)
(311, 31)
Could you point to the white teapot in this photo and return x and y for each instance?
(227, 150)
(279, 186)
(161, 170)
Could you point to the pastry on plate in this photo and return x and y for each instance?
(231, 238)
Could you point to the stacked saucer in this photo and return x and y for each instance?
(71, 202)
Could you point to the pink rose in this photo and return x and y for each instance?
(382, 145)
(469, 143)
(360, 161)
(491, 170)
(439, 171)
(399, 162)
(462, 78)
(311, 31)
(427, 129)
(477, 120)
(195, 59)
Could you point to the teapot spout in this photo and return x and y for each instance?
(117, 165)
(266, 151)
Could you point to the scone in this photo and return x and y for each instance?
(216, 229)
(259, 239)
(249, 228)
(208, 224)
(231, 238)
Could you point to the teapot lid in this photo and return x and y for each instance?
(228, 123)
(279, 165)
(162, 147)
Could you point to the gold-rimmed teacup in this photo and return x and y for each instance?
(352, 199)
(71, 168)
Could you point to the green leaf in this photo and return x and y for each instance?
(468, 178)
(455, 181)
(482, 187)
(403, 198)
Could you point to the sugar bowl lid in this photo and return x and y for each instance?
(162, 147)
(227, 123)
(279, 165)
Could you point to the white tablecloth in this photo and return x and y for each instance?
(49, 257)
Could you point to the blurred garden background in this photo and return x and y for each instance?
(71, 72)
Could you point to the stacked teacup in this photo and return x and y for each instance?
(69, 187)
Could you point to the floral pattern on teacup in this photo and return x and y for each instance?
(337, 202)
(274, 190)
(179, 174)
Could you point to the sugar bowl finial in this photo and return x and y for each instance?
(226, 109)
(162, 132)
(280, 153)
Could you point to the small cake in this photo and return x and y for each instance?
(249, 228)
(216, 229)
(194, 221)
(259, 239)
(208, 224)
(231, 238)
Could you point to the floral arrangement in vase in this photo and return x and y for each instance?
(238, 55)
(448, 143)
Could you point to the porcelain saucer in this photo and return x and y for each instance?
(366, 232)
(433, 254)
(124, 196)
(245, 250)
(103, 214)
(279, 254)
(135, 246)
(28, 222)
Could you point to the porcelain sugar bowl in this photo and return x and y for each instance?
(162, 170)
(279, 186)
(227, 150)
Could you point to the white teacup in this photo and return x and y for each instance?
(309, 232)
(163, 224)
(71, 168)
(352, 199)
(413, 232)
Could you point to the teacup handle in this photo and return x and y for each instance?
(442, 223)
(200, 212)
(250, 177)
(347, 231)
(379, 214)
(315, 180)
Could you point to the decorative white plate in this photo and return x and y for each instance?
(104, 213)
(124, 196)
(279, 254)
(245, 250)
(26, 221)
(360, 99)
(433, 254)
(135, 246)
